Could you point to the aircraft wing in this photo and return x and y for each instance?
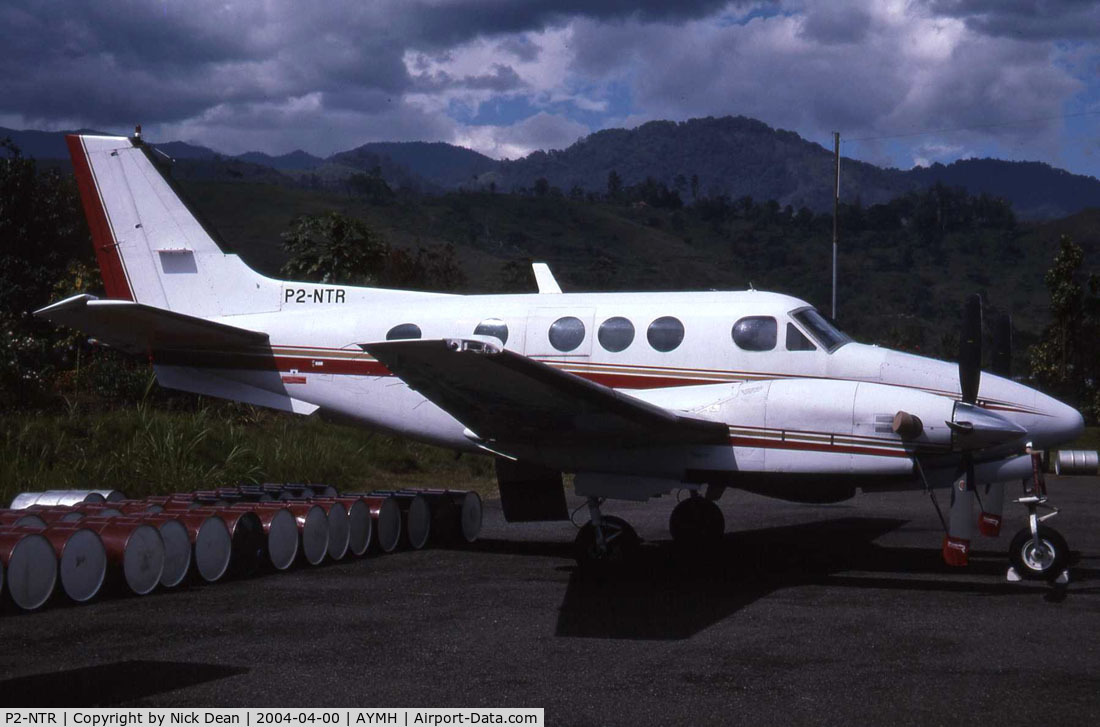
(137, 328)
(505, 397)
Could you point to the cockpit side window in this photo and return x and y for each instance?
(755, 333)
(825, 333)
(797, 341)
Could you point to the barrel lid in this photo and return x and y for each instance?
(83, 565)
(143, 559)
(282, 539)
(31, 572)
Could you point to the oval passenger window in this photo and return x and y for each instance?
(493, 327)
(616, 334)
(566, 333)
(403, 332)
(665, 333)
(755, 333)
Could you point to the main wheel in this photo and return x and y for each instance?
(697, 522)
(620, 543)
(1033, 563)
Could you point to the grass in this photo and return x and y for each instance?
(143, 450)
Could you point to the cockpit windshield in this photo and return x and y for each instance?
(822, 331)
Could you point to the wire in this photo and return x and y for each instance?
(1022, 122)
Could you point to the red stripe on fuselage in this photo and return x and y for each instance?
(810, 447)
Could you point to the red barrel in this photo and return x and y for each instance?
(455, 514)
(177, 545)
(246, 535)
(82, 559)
(360, 524)
(137, 507)
(211, 543)
(313, 527)
(386, 516)
(31, 567)
(281, 530)
(416, 517)
(339, 533)
(57, 514)
(136, 550)
(19, 518)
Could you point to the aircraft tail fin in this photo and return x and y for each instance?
(151, 249)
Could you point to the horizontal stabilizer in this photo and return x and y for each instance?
(138, 328)
(505, 397)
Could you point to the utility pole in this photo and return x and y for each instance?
(836, 208)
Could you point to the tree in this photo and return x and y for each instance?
(333, 248)
(542, 187)
(614, 185)
(1067, 359)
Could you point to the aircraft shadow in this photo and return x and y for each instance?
(669, 595)
(108, 685)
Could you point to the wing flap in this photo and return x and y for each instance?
(503, 396)
(137, 328)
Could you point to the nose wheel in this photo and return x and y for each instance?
(1038, 551)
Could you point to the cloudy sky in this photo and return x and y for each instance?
(904, 82)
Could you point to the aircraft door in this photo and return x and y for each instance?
(560, 333)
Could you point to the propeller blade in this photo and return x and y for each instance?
(960, 522)
(1002, 346)
(989, 522)
(970, 349)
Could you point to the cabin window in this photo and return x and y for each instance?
(797, 341)
(566, 333)
(755, 333)
(824, 332)
(665, 333)
(616, 334)
(493, 327)
(403, 332)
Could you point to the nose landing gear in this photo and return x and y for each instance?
(1038, 552)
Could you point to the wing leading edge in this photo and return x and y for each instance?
(505, 397)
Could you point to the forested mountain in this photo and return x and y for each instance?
(695, 159)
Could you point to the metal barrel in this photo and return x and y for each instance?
(456, 514)
(31, 567)
(280, 529)
(247, 536)
(315, 490)
(19, 518)
(137, 507)
(211, 542)
(416, 516)
(98, 509)
(136, 550)
(312, 522)
(1077, 462)
(386, 516)
(360, 524)
(81, 558)
(177, 545)
(64, 497)
(339, 530)
(56, 514)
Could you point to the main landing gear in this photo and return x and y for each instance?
(1038, 552)
(605, 540)
(697, 523)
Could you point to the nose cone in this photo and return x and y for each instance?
(1061, 424)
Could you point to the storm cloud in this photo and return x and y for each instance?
(507, 77)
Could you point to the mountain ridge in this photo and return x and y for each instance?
(735, 156)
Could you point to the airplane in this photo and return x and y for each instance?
(637, 395)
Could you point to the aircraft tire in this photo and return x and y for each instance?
(1039, 566)
(621, 540)
(697, 523)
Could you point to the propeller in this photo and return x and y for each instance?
(956, 543)
(970, 349)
